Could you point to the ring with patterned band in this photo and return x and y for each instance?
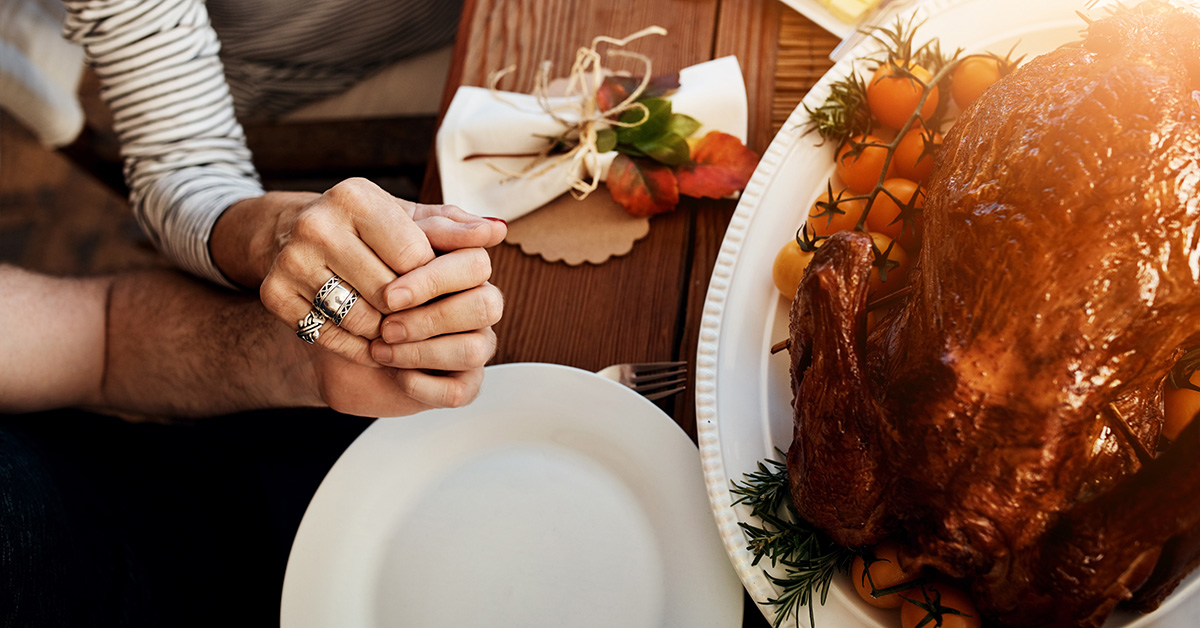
(310, 327)
(335, 299)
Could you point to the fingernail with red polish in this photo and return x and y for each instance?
(494, 219)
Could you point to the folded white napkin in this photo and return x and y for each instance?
(478, 122)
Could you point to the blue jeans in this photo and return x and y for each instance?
(110, 523)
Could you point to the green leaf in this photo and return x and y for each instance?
(669, 149)
(653, 126)
(606, 140)
(682, 125)
(632, 151)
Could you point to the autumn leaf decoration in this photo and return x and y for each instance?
(656, 163)
(657, 159)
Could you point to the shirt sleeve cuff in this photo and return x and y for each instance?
(193, 200)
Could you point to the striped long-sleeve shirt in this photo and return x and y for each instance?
(164, 73)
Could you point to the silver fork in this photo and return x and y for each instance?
(652, 380)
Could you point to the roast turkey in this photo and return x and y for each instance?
(1003, 423)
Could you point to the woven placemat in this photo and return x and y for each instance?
(803, 59)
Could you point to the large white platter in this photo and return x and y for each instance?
(742, 392)
(556, 499)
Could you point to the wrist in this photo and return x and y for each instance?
(247, 236)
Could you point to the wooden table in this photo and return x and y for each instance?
(645, 306)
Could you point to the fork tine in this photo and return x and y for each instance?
(664, 393)
(652, 380)
(656, 377)
(653, 386)
(651, 371)
(655, 366)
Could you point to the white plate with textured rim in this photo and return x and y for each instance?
(557, 499)
(743, 393)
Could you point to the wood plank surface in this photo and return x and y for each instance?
(627, 309)
(647, 305)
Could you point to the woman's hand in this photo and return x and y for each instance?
(431, 352)
(290, 244)
(381, 391)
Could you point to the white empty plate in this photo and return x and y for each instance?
(558, 498)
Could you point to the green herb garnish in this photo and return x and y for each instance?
(809, 558)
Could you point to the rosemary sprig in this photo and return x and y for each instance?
(808, 558)
(844, 113)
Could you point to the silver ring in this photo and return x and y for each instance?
(310, 327)
(335, 299)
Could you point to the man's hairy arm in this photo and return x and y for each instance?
(160, 343)
(177, 347)
(152, 342)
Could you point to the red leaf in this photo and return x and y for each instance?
(642, 186)
(721, 165)
(614, 89)
(610, 93)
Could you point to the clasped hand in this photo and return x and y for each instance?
(421, 328)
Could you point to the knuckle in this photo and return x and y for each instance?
(362, 322)
(424, 286)
(377, 295)
(492, 342)
(493, 305)
(477, 350)
(412, 253)
(312, 226)
(424, 323)
(437, 286)
(290, 262)
(420, 211)
(459, 394)
(411, 354)
(481, 264)
(352, 190)
(273, 294)
(407, 383)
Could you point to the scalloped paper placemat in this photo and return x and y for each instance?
(574, 232)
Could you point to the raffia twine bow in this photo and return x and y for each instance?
(585, 118)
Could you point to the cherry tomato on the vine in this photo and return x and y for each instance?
(895, 91)
(972, 77)
(859, 169)
(789, 267)
(912, 160)
(843, 215)
(884, 572)
(948, 607)
(898, 263)
(885, 215)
